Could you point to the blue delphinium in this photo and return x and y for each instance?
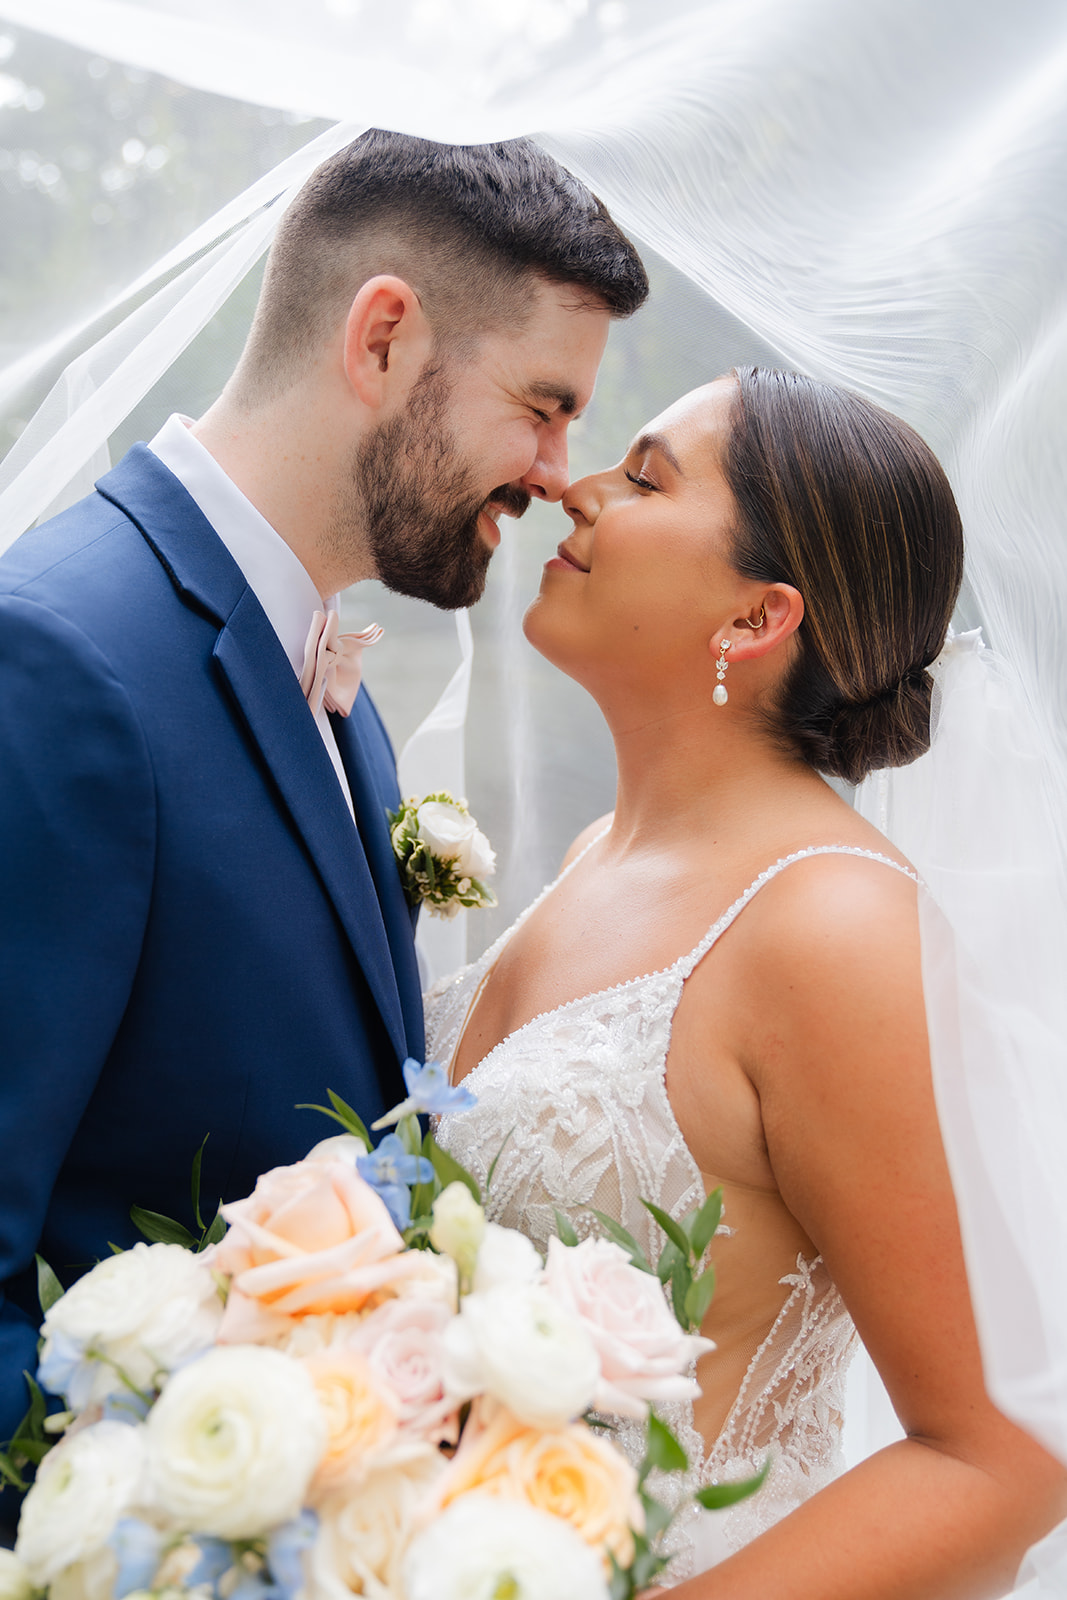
(390, 1169)
(429, 1094)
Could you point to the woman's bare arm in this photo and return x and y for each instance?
(835, 1045)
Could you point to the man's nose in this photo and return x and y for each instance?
(548, 475)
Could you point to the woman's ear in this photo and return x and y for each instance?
(387, 341)
(774, 616)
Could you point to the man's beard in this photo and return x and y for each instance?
(413, 497)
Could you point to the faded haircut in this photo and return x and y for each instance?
(470, 227)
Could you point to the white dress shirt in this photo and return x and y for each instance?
(276, 576)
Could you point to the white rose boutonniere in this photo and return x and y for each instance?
(443, 856)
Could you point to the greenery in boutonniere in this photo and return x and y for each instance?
(443, 856)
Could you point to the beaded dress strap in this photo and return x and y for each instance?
(687, 964)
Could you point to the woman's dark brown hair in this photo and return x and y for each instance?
(847, 504)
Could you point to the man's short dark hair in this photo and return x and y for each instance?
(468, 226)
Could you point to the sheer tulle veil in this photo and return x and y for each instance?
(872, 193)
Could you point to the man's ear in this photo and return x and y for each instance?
(387, 341)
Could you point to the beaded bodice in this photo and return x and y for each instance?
(575, 1105)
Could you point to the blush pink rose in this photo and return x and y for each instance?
(402, 1342)
(310, 1239)
(644, 1354)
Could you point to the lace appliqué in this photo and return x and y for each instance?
(576, 1101)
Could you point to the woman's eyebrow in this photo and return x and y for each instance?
(657, 441)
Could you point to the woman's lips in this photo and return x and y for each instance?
(563, 560)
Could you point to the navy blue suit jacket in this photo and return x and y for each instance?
(193, 936)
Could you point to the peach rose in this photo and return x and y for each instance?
(364, 1534)
(360, 1414)
(644, 1354)
(568, 1472)
(311, 1238)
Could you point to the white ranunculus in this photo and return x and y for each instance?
(458, 1226)
(523, 1348)
(82, 1488)
(483, 1546)
(91, 1579)
(15, 1581)
(141, 1313)
(233, 1441)
(506, 1259)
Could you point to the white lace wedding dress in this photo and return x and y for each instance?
(579, 1095)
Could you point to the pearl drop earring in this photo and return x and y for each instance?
(718, 694)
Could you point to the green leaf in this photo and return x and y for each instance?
(10, 1473)
(161, 1230)
(449, 1170)
(496, 1158)
(717, 1495)
(681, 1282)
(49, 1288)
(32, 1425)
(658, 1517)
(33, 1450)
(663, 1452)
(669, 1258)
(702, 1228)
(647, 1566)
(214, 1232)
(699, 1297)
(194, 1182)
(352, 1119)
(348, 1119)
(619, 1235)
(565, 1229)
(116, 1249)
(410, 1134)
(620, 1585)
(674, 1230)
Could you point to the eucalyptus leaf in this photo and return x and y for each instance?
(565, 1229)
(161, 1230)
(49, 1288)
(616, 1232)
(717, 1495)
(704, 1224)
(699, 1296)
(674, 1230)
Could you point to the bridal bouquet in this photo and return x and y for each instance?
(362, 1387)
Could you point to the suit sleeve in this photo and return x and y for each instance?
(77, 840)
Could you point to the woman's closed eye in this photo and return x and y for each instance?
(640, 480)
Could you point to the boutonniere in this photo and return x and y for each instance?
(442, 854)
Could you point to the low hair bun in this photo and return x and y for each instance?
(848, 505)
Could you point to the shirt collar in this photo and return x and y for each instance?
(276, 576)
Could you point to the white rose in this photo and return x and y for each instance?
(141, 1313)
(363, 1535)
(523, 1348)
(15, 1581)
(487, 1546)
(477, 859)
(338, 1147)
(458, 1226)
(644, 1354)
(506, 1259)
(233, 1441)
(445, 828)
(82, 1488)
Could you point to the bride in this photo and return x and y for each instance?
(723, 986)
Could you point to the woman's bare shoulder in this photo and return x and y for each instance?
(586, 837)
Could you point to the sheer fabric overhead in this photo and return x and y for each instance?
(871, 193)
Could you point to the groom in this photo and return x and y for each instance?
(203, 924)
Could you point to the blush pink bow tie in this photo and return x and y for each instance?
(333, 663)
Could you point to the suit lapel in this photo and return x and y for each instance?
(357, 737)
(264, 686)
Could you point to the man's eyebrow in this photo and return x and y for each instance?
(565, 398)
(657, 441)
